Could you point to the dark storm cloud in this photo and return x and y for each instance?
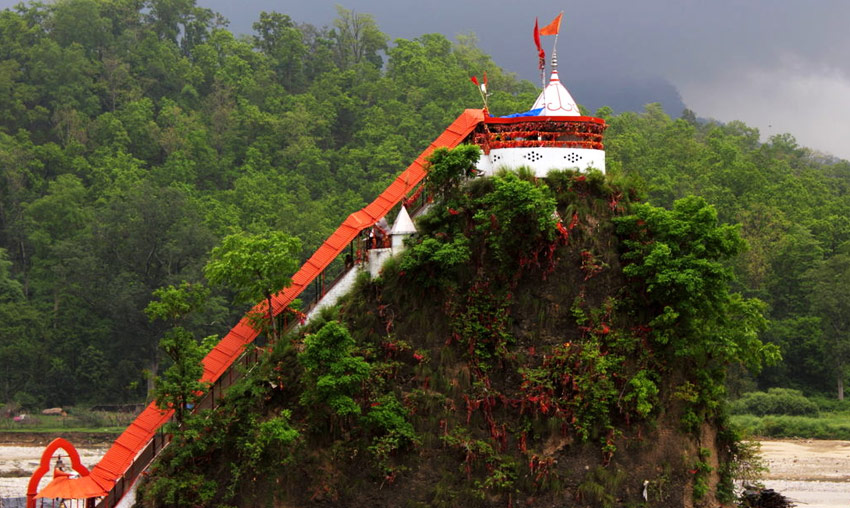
(652, 37)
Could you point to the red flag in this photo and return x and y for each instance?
(553, 27)
(474, 80)
(540, 53)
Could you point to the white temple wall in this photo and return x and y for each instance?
(377, 258)
(542, 160)
(340, 289)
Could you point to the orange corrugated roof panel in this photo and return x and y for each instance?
(231, 345)
(244, 331)
(135, 441)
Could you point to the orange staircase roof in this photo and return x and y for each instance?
(124, 451)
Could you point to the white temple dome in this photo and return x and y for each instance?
(403, 225)
(555, 100)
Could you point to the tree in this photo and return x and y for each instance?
(358, 39)
(448, 169)
(255, 267)
(10, 289)
(282, 41)
(180, 386)
(334, 374)
(800, 339)
(56, 221)
(19, 323)
(181, 21)
(81, 22)
(475, 61)
(145, 237)
(830, 300)
(796, 252)
(676, 259)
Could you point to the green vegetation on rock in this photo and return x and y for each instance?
(578, 344)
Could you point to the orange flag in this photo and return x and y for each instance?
(553, 27)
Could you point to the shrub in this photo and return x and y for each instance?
(389, 420)
(831, 404)
(776, 401)
(388, 416)
(431, 263)
(783, 426)
(272, 438)
(516, 206)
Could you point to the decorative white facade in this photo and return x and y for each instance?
(541, 159)
(402, 228)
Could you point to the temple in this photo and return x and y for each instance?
(552, 135)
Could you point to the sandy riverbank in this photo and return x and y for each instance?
(808, 460)
(816, 474)
(813, 473)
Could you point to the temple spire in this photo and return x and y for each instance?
(555, 99)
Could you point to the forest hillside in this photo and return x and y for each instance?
(136, 135)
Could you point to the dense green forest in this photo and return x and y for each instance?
(136, 135)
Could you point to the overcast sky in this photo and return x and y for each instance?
(779, 65)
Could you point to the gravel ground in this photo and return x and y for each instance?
(815, 460)
(813, 494)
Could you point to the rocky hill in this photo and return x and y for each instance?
(542, 342)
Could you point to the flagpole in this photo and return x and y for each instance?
(555, 52)
(543, 77)
(555, 44)
(554, 26)
(541, 63)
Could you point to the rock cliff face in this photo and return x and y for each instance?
(511, 357)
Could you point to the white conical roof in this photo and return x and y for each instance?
(403, 225)
(555, 100)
